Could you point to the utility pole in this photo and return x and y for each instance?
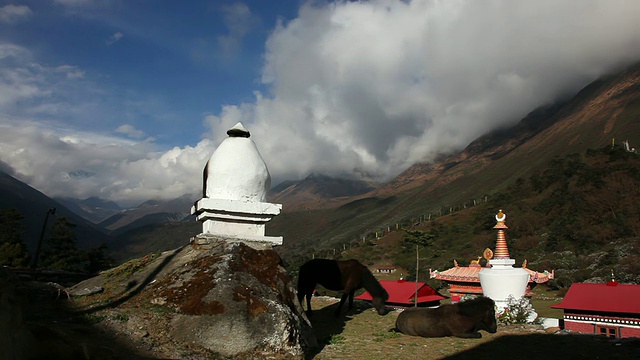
(415, 296)
(44, 227)
(418, 237)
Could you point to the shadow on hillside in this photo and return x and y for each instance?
(327, 327)
(554, 346)
(54, 331)
(134, 287)
(61, 331)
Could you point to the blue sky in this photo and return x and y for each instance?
(126, 100)
(159, 63)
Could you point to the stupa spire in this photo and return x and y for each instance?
(502, 280)
(502, 251)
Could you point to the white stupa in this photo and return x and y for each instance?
(235, 185)
(502, 280)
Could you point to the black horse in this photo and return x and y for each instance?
(463, 319)
(346, 276)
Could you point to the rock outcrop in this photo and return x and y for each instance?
(221, 297)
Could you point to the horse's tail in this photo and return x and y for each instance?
(395, 330)
(372, 285)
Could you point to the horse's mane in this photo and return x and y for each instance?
(371, 284)
(475, 306)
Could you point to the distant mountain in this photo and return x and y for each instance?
(155, 238)
(149, 213)
(34, 205)
(316, 191)
(93, 209)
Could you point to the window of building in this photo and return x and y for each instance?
(608, 331)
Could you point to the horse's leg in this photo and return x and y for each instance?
(309, 312)
(342, 301)
(351, 294)
(306, 291)
(301, 296)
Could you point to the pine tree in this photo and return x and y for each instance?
(60, 252)
(13, 251)
(99, 259)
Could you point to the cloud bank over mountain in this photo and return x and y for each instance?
(352, 89)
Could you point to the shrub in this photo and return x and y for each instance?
(518, 311)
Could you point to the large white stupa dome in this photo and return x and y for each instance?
(236, 170)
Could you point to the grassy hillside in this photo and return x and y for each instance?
(500, 170)
(578, 216)
(153, 239)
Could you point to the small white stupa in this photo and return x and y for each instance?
(502, 280)
(235, 186)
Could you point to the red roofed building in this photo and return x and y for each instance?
(609, 309)
(402, 294)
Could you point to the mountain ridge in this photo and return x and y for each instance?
(34, 205)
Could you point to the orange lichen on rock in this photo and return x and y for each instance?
(255, 307)
(190, 297)
(263, 265)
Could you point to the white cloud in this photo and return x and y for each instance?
(353, 89)
(71, 72)
(18, 79)
(28, 88)
(8, 50)
(114, 38)
(239, 21)
(373, 87)
(11, 14)
(73, 3)
(130, 131)
(45, 114)
(81, 164)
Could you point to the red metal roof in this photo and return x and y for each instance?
(402, 292)
(619, 298)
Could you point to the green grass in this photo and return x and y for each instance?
(363, 334)
(542, 307)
